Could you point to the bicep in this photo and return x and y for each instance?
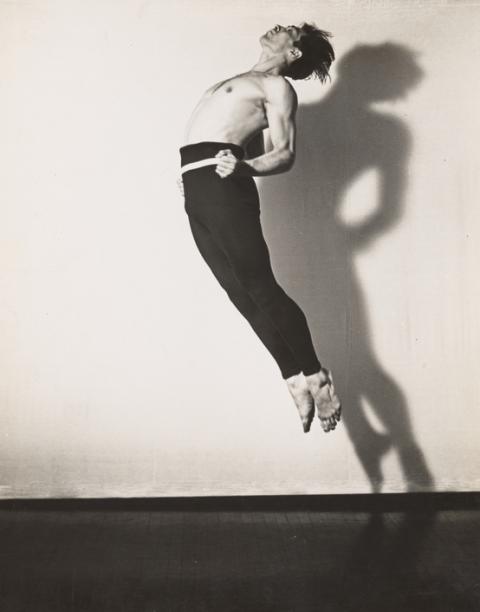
(267, 141)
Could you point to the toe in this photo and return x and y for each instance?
(324, 424)
(328, 423)
(328, 426)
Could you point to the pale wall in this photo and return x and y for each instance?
(124, 368)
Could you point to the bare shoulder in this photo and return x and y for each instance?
(280, 91)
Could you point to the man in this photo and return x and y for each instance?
(221, 200)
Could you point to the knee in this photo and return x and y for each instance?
(262, 289)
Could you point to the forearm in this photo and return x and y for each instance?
(273, 162)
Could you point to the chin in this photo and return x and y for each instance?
(264, 40)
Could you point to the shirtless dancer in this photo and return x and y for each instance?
(224, 148)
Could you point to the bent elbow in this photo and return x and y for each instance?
(289, 160)
(285, 158)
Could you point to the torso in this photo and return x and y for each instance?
(230, 111)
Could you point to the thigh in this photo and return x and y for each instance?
(230, 210)
(214, 256)
(238, 232)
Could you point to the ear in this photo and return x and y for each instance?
(295, 54)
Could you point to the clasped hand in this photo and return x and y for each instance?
(227, 163)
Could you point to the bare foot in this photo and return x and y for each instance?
(297, 385)
(326, 400)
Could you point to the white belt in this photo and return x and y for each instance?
(209, 161)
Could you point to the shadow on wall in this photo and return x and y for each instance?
(313, 249)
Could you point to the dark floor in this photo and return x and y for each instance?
(147, 559)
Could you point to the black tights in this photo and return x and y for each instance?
(224, 216)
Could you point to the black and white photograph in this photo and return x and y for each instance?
(239, 306)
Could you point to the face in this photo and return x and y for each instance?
(280, 38)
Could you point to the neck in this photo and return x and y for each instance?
(269, 64)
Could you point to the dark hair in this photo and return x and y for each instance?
(317, 54)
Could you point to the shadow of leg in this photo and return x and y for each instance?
(389, 404)
(370, 446)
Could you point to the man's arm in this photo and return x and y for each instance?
(280, 107)
(267, 141)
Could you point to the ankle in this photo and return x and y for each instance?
(318, 378)
(293, 377)
(296, 381)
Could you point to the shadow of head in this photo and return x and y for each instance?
(378, 73)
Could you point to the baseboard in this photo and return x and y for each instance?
(382, 502)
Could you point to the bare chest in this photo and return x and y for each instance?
(237, 90)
